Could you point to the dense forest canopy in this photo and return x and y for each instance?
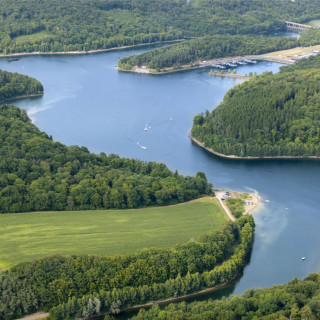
(206, 48)
(270, 115)
(39, 174)
(82, 25)
(297, 300)
(14, 85)
(83, 286)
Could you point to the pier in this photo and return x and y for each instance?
(297, 26)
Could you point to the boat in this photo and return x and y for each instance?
(267, 201)
(241, 62)
(231, 64)
(146, 128)
(250, 61)
(303, 258)
(220, 66)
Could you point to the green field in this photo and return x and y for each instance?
(32, 37)
(27, 236)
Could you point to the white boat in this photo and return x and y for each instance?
(303, 258)
(250, 61)
(267, 200)
(146, 128)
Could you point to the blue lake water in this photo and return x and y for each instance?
(88, 102)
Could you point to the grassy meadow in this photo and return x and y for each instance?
(27, 236)
(32, 37)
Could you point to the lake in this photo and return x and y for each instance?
(87, 102)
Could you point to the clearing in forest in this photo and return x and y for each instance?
(27, 236)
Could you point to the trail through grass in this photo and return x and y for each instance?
(27, 236)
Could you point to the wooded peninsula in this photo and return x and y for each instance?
(271, 115)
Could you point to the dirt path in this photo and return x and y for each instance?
(35, 316)
(219, 195)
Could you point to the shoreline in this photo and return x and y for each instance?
(230, 75)
(255, 200)
(34, 53)
(22, 97)
(173, 299)
(234, 157)
(187, 67)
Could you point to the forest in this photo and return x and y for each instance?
(38, 174)
(269, 115)
(83, 286)
(190, 52)
(83, 25)
(296, 300)
(14, 85)
(206, 48)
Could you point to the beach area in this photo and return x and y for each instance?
(251, 200)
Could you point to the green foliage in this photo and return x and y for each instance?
(270, 115)
(310, 37)
(13, 85)
(17, 297)
(206, 48)
(179, 284)
(236, 206)
(25, 237)
(83, 286)
(60, 25)
(37, 174)
(295, 300)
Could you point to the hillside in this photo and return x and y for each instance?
(268, 116)
(299, 299)
(13, 85)
(206, 48)
(59, 25)
(39, 174)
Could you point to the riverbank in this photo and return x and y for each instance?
(229, 75)
(211, 63)
(225, 156)
(35, 53)
(22, 97)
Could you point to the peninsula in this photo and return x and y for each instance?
(270, 116)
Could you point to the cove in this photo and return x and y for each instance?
(88, 103)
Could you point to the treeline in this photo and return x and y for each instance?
(83, 286)
(218, 46)
(59, 25)
(297, 300)
(39, 174)
(310, 37)
(269, 115)
(14, 85)
(118, 299)
(206, 48)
